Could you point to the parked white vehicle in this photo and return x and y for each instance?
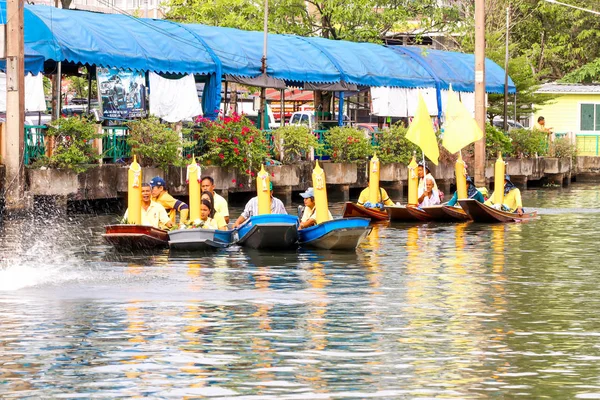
(247, 108)
(304, 118)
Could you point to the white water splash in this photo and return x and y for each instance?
(15, 277)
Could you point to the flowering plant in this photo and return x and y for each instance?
(347, 144)
(233, 142)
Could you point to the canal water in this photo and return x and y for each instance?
(467, 311)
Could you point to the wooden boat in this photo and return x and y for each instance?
(198, 239)
(420, 214)
(135, 237)
(479, 212)
(457, 213)
(356, 210)
(337, 234)
(400, 214)
(269, 231)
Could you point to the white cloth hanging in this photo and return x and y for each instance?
(388, 101)
(174, 99)
(34, 92)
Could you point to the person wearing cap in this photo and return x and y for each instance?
(153, 213)
(171, 204)
(251, 208)
(383, 199)
(309, 216)
(512, 198)
(208, 185)
(472, 193)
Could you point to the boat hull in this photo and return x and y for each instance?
(356, 210)
(479, 212)
(135, 237)
(337, 234)
(198, 239)
(270, 231)
(400, 214)
(420, 214)
(456, 213)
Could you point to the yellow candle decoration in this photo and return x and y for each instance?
(461, 177)
(413, 183)
(320, 188)
(263, 191)
(499, 169)
(134, 193)
(194, 189)
(374, 180)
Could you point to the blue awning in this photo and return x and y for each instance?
(34, 62)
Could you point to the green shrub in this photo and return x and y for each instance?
(296, 142)
(562, 148)
(496, 141)
(526, 143)
(393, 145)
(347, 144)
(233, 142)
(73, 144)
(156, 144)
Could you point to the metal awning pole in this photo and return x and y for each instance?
(263, 90)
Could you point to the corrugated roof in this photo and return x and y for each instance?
(569, 88)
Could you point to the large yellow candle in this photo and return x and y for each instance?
(263, 191)
(499, 169)
(193, 172)
(413, 183)
(461, 177)
(134, 193)
(374, 180)
(320, 188)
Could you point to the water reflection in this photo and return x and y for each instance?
(428, 310)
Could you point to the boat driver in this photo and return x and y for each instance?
(512, 198)
(309, 216)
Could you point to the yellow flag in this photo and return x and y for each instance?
(460, 129)
(421, 133)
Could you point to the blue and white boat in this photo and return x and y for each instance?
(198, 239)
(337, 234)
(269, 231)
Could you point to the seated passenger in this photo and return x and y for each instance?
(171, 205)
(205, 221)
(153, 214)
(220, 204)
(512, 198)
(472, 193)
(309, 216)
(214, 214)
(382, 199)
(251, 208)
(429, 196)
(423, 173)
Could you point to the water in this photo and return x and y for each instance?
(427, 311)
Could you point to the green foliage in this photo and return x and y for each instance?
(526, 143)
(562, 148)
(295, 141)
(233, 142)
(79, 85)
(156, 144)
(588, 73)
(347, 144)
(73, 148)
(496, 141)
(393, 145)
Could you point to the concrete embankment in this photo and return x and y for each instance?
(110, 181)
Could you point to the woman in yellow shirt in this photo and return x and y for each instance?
(219, 219)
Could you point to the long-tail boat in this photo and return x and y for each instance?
(356, 210)
(135, 237)
(198, 239)
(269, 231)
(337, 234)
(480, 212)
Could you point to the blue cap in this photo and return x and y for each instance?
(309, 193)
(158, 181)
(470, 180)
(507, 178)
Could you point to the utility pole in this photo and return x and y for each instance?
(506, 71)
(480, 112)
(263, 91)
(15, 107)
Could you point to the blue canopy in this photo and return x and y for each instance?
(34, 62)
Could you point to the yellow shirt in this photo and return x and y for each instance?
(170, 204)
(512, 200)
(311, 213)
(155, 215)
(221, 205)
(220, 221)
(364, 197)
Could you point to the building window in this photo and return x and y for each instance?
(590, 117)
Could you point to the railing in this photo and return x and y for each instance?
(321, 154)
(588, 145)
(114, 143)
(35, 143)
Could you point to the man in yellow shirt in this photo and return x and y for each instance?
(309, 216)
(171, 204)
(512, 198)
(153, 214)
(208, 185)
(382, 199)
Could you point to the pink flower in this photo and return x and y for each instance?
(251, 173)
(233, 181)
(245, 159)
(245, 130)
(241, 185)
(236, 151)
(236, 141)
(221, 156)
(273, 174)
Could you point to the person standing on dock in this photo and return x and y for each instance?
(309, 216)
(153, 213)
(251, 208)
(220, 204)
(512, 198)
(171, 204)
(472, 193)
